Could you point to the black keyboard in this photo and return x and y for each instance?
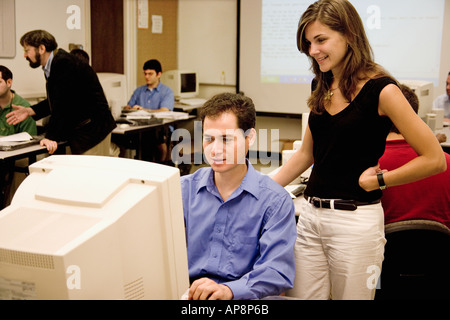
(139, 122)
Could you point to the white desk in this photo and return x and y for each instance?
(133, 129)
(185, 108)
(28, 152)
(138, 130)
(7, 161)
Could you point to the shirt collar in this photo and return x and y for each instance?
(156, 88)
(250, 183)
(48, 65)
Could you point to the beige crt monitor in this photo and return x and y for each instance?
(424, 92)
(184, 83)
(115, 88)
(88, 227)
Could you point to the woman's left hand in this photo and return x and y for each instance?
(368, 179)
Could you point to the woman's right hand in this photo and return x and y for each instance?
(50, 144)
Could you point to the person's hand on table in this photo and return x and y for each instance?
(51, 145)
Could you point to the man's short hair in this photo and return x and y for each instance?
(242, 107)
(6, 73)
(153, 65)
(36, 38)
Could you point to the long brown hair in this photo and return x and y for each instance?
(340, 16)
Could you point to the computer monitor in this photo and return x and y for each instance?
(115, 88)
(424, 91)
(183, 83)
(89, 227)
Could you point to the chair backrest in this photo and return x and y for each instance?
(416, 264)
(416, 225)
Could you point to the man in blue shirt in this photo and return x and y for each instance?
(240, 224)
(157, 97)
(443, 101)
(153, 95)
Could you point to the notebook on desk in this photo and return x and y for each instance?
(10, 144)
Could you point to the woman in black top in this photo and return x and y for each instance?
(340, 242)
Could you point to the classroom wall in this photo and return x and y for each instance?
(53, 16)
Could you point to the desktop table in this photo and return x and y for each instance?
(7, 163)
(189, 108)
(136, 131)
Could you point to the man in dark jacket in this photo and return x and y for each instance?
(76, 103)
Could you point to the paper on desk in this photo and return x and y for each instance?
(140, 114)
(18, 137)
(171, 115)
(144, 114)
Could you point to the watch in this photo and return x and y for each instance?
(381, 181)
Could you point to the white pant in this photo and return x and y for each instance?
(338, 253)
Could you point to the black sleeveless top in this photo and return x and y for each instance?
(347, 144)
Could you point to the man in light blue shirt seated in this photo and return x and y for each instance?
(240, 224)
(154, 94)
(443, 101)
(157, 97)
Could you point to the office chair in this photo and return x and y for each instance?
(416, 261)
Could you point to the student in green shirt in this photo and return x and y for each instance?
(8, 98)
(8, 178)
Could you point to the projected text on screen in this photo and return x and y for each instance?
(405, 36)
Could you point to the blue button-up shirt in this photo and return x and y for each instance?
(48, 65)
(443, 102)
(160, 97)
(245, 242)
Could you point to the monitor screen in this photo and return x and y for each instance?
(87, 227)
(188, 82)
